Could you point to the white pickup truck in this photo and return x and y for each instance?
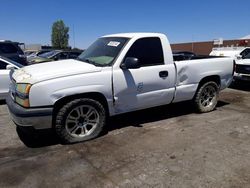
(117, 74)
(242, 60)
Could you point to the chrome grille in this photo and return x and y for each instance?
(244, 69)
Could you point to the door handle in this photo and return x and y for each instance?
(163, 74)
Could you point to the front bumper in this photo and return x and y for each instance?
(38, 118)
(244, 77)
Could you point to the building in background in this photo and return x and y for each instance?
(35, 47)
(204, 48)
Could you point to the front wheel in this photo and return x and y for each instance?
(80, 120)
(206, 97)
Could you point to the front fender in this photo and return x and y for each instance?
(59, 94)
(46, 93)
(68, 92)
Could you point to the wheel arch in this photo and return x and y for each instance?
(90, 95)
(214, 78)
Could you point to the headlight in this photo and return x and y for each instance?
(23, 88)
(22, 94)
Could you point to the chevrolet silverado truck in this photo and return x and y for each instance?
(117, 74)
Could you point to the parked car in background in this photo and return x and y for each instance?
(37, 53)
(242, 68)
(183, 55)
(227, 51)
(54, 56)
(242, 60)
(12, 51)
(29, 52)
(5, 66)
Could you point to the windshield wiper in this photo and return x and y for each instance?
(87, 60)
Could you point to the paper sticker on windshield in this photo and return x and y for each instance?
(113, 43)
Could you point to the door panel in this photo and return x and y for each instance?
(144, 87)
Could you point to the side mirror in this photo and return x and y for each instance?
(238, 57)
(10, 67)
(130, 63)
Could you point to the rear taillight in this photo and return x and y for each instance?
(234, 67)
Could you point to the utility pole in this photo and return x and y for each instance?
(193, 43)
(74, 36)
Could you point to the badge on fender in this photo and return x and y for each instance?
(140, 87)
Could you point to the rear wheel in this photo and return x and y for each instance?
(80, 120)
(206, 97)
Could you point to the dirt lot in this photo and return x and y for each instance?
(169, 146)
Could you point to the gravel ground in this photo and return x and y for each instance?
(169, 146)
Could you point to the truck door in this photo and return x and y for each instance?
(152, 84)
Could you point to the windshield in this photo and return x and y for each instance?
(49, 54)
(42, 52)
(103, 51)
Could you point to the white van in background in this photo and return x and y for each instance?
(228, 51)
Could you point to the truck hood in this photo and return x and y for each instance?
(46, 71)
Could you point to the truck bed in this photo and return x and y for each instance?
(182, 58)
(189, 72)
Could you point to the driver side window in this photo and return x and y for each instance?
(148, 51)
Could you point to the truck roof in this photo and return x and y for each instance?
(132, 35)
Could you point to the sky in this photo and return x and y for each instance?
(30, 21)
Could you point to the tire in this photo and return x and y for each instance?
(27, 136)
(206, 97)
(35, 138)
(80, 120)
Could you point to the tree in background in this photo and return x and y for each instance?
(60, 35)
